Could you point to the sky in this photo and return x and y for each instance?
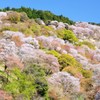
(76, 10)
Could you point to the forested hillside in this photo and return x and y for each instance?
(44, 15)
(48, 59)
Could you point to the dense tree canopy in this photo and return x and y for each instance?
(44, 15)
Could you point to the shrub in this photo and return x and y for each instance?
(18, 27)
(70, 69)
(47, 28)
(69, 35)
(10, 28)
(14, 17)
(46, 31)
(37, 74)
(41, 45)
(53, 52)
(22, 27)
(25, 30)
(47, 22)
(30, 22)
(60, 33)
(79, 67)
(21, 84)
(36, 29)
(90, 45)
(87, 73)
(23, 16)
(47, 51)
(66, 35)
(66, 60)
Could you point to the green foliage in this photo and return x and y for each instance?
(36, 29)
(23, 84)
(66, 60)
(53, 52)
(6, 9)
(68, 35)
(90, 45)
(2, 73)
(44, 15)
(60, 33)
(3, 78)
(25, 30)
(0, 9)
(14, 17)
(23, 16)
(10, 28)
(47, 22)
(79, 67)
(47, 51)
(87, 73)
(94, 23)
(47, 31)
(47, 28)
(41, 44)
(20, 28)
(70, 69)
(38, 75)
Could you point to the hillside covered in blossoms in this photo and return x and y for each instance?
(48, 60)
